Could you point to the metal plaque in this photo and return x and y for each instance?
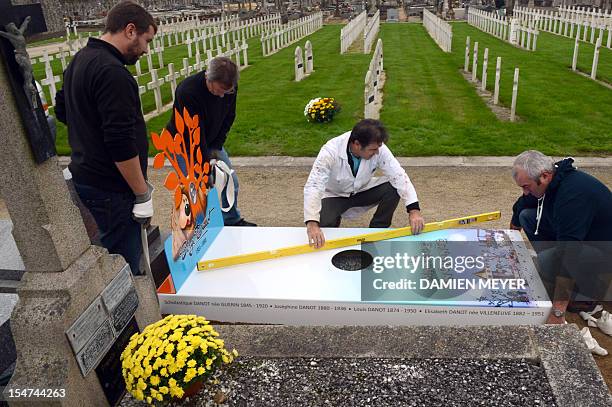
(123, 312)
(86, 325)
(96, 348)
(121, 285)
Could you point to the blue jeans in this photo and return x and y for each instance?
(112, 211)
(232, 216)
(541, 241)
(587, 263)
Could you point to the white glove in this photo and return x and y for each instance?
(143, 206)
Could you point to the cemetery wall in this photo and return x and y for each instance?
(56, 10)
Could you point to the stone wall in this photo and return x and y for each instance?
(56, 10)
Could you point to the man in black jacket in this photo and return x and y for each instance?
(567, 215)
(211, 94)
(106, 130)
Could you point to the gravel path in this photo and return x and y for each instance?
(377, 382)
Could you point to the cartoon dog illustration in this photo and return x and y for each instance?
(182, 221)
(184, 216)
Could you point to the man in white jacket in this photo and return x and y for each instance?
(341, 182)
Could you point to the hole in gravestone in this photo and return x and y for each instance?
(352, 260)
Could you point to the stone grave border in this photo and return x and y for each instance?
(559, 349)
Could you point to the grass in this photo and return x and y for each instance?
(429, 108)
(271, 105)
(56, 40)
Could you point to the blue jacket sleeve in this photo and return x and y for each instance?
(524, 202)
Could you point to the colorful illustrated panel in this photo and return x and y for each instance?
(196, 217)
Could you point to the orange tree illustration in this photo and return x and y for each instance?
(194, 172)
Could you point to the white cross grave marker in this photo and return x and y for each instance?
(155, 85)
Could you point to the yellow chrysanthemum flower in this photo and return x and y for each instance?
(169, 348)
(154, 380)
(139, 395)
(176, 392)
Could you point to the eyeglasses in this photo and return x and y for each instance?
(219, 86)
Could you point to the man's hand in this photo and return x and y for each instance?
(316, 238)
(416, 221)
(143, 206)
(513, 227)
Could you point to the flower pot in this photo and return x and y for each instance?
(193, 389)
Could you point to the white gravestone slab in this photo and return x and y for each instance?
(309, 57)
(298, 64)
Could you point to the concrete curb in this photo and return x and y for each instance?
(435, 161)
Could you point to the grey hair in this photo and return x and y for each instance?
(223, 70)
(534, 163)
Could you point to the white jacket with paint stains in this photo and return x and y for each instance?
(331, 176)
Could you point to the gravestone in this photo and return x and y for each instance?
(309, 57)
(513, 38)
(392, 15)
(76, 303)
(298, 61)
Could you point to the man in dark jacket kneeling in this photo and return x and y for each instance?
(567, 216)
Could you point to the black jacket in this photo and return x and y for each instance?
(576, 204)
(216, 115)
(100, 105)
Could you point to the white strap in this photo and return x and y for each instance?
(223, 179)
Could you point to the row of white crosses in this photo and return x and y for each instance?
(173, 75)
(176, 31)
(517, 33)
(70, 27)
(439, 30)
(373, 83)
(595, 16)
(352, 31)
(595, 54)
(570, 22)
(303, 70)
(370, 33)
(490, 23)
(523, 36)
(485, 66)
(283, 36)
(208, 30)
(234, 26)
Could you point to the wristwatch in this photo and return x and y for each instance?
(558, 313)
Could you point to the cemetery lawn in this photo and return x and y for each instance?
(56, 40)
(428, 107)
